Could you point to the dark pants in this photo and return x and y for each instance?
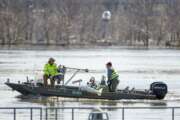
(112, 84)
(58, 78)
(45, 78)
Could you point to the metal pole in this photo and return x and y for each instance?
(123, 113)
(46, 114)
(31, 114)
(14, 113)
(56, 114)
(40, 113)
(172, 113)
(72, 113)
(76, 68)
(71, 77)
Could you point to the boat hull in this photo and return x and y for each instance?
(76, 92)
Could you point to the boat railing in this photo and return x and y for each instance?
(81, 113)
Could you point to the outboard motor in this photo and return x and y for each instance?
(159, 89)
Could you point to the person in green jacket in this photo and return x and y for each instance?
(113, 77)
(50, 70)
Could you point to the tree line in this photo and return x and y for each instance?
(79, 22)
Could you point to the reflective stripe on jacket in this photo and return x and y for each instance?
(112, 74)
(50, 70)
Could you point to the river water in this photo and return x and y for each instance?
(137, 68)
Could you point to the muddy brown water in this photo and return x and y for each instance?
(137, 68)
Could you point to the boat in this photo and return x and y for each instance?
(157, 90)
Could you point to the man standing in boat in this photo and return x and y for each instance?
(50, 71)
(112, 76)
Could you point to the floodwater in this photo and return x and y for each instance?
(137, 68)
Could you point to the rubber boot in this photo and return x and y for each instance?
(45, 78)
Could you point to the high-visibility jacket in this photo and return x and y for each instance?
(112, 74)
(50, 70)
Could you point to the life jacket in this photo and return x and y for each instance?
(50, 70)
(114, 75)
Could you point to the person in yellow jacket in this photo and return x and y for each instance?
(50, 70)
